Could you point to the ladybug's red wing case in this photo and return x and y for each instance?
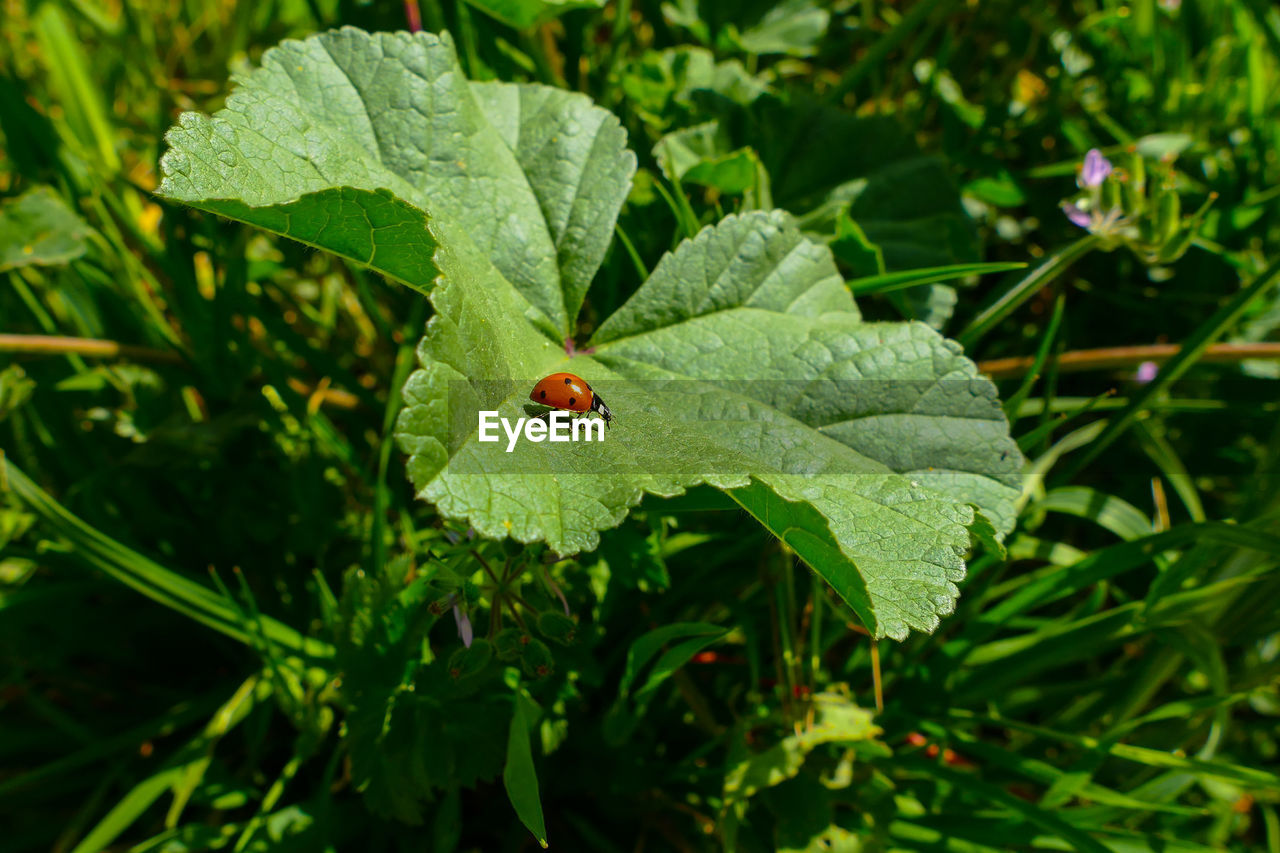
(569, 393)
(563, 391)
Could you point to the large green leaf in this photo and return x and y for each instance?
(742, 363)
(346, 140)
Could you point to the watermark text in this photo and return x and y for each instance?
(555, 426)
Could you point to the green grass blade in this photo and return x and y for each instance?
(1013, 405)
(885, 45)
(891, 281)
(970, 785)
(1215, 327)
(1107, 511)
(148, 577)
(1145, 756)
(128, 810)
(1008, 302)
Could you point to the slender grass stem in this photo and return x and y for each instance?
(1008, 302)
(1110, 358)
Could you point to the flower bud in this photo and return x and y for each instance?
(1095, 169)
(1137, 169)
(1168, 217)
(536, 660)
(557, 627)
(1110, 197)
(1077, 216)
(510, 644)
(470, 661)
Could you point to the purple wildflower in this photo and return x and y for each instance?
(1146, 372)
(464, 626)
(1095, 170)
(1076, 215)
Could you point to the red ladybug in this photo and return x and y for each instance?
(570, 393)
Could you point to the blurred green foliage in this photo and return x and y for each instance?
(225, 622)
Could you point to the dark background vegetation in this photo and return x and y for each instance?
(1113, 680)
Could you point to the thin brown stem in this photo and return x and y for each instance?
(488, 571)
(875, 676)
(319, 394)
(93, 347)
(1110, 358)
(519, 600)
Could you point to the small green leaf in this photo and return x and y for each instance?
(1163, 146)
(985, 534)
(792, 27)
(15, 389)
(1001, 190)
(375, 228)
(696, 636)
(39, 228)
(679, 74)
(700, 155)
(836, 720)
(519, 776)
(850, 245)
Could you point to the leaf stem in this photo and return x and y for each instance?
(487, 570)
(817, 592)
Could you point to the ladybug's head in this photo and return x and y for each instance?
(597, 405)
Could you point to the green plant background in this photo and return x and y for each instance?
(227, 623)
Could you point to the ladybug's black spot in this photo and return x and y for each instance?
(542, 395)
(572, 400)
(568, 381)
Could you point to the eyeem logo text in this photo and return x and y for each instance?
(562, 427)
